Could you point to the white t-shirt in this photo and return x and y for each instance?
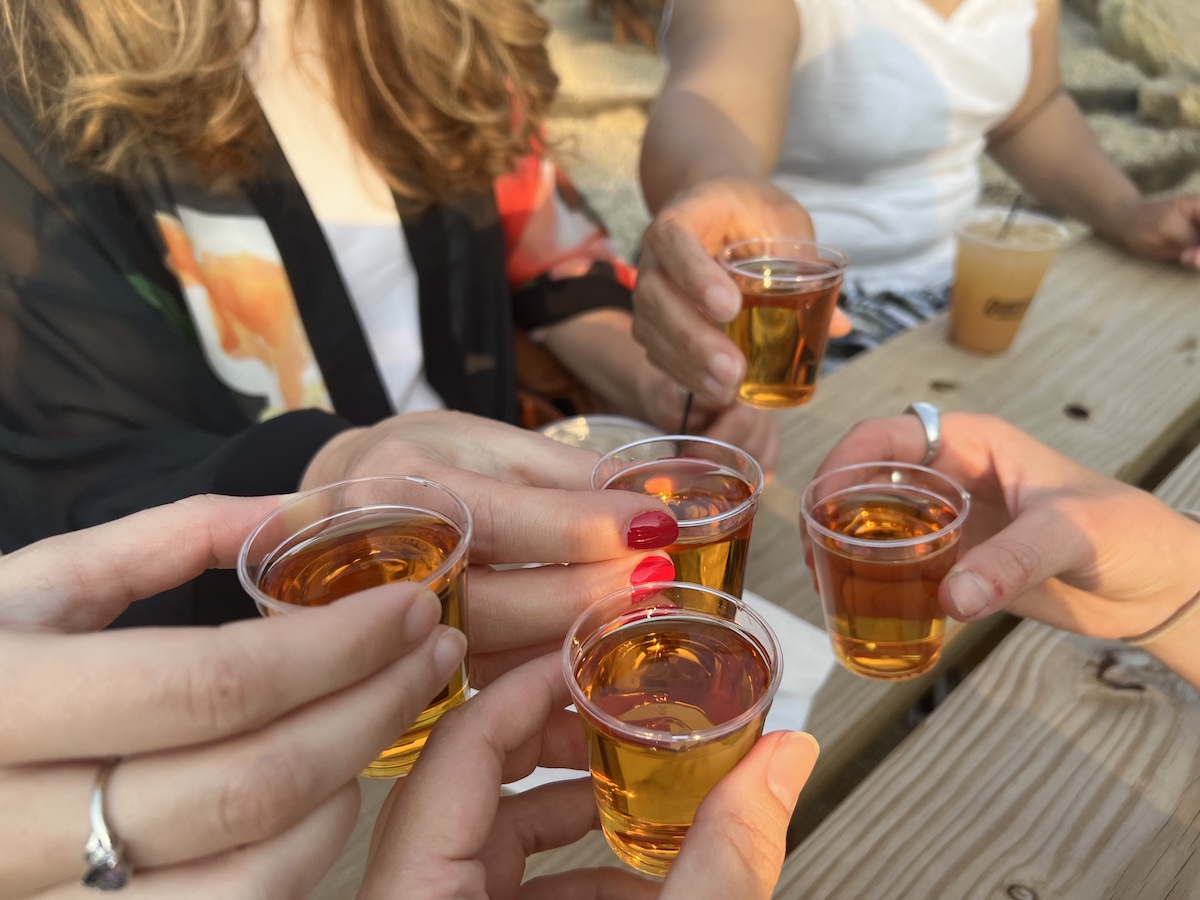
(888, 110)
(350, 200)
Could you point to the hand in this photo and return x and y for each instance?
(682, 292)
(445, 831)
(1046, 538)
(532, 502)
(1166, 228)
(754, 430)
(239, 746)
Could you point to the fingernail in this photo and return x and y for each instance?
(722, 302)
(424, 613)
(651, 531)
(969, 594)
(653, 568)
(787, 773)
(448, 653)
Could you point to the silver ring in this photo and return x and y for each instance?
(931, 421)
(107, 870)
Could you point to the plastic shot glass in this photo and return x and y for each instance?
(353, 535)
(713, 490)
(883, 536)
(672, 683)
(789, 289)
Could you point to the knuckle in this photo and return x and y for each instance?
(488, 522)
(229, 694)
(261, 796)
(1017, 561)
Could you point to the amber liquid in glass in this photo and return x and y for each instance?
(782, 328)
(360, 550)
(712, 555)
(881, 605)
(670, 674)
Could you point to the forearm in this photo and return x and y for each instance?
(723, 106)
(1057, 159)
(599, 349)
(689, 140)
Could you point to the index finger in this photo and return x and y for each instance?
(83, 580)
(132, 690)
(686, 261)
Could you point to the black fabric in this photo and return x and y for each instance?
(106, 405)
(333, 329)
(107, 402)
(545, 301)
(271, 458)
(459, 253)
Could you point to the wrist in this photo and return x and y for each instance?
(1118, 221)
(1183, 620)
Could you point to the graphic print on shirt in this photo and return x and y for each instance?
(241, 301)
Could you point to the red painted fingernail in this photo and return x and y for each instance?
(650, 531)
(653, 568)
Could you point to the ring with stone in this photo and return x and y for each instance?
(931, 421)
(107, 869)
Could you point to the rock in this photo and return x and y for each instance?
(594, 73)
(600, 152)
(1156, 159)
(1089, 9)
(1170, 102)
(1094, 77)
(1160, 36)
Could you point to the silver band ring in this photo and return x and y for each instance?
(107, 870)
(931, 421)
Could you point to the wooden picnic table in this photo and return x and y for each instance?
(1104, 370)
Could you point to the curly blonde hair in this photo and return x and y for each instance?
(441, 95)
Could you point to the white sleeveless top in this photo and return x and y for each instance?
(888, 111)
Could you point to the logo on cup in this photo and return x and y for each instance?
(1004, 308)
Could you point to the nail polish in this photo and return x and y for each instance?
(653, 568)
(651, 531)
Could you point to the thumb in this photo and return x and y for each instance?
(736, 844)
(1037, 545)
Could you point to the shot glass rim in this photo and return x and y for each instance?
(756, 488)
(955, 524)
(827, 253)
(660, 738)
(1060, 228)
(598, 419)
(260, 597)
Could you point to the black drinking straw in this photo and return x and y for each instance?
(1010, 218)
(687, 411)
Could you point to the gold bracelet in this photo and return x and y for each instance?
(1176, 618)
